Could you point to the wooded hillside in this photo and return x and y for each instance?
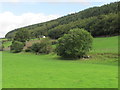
(99, 21)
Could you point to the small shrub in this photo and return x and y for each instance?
(1, 47)
(16, 46)
(75, 44)
(28, 49)
(44, 46)
(54, 42)
(3, 41)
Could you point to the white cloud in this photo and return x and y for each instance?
(9, 21)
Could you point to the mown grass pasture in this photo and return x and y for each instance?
(27, 70)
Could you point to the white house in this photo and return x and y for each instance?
(43, 37)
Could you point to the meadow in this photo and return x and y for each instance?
(27, 70)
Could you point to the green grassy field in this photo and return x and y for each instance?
(105, 45)
(27, 70)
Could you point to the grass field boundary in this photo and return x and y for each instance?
(60, 89)
(0, 67)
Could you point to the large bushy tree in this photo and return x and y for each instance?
(75, 44)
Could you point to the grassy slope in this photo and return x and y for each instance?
(25, 70)
(6, 44)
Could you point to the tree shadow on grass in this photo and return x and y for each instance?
(66, 59)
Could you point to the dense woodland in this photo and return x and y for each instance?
(99, 21)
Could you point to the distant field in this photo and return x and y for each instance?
(2, 39)
(8, 43)
(105, 45)
(27, 70)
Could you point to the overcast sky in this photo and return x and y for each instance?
(18, 13)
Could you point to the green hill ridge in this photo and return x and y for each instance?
(99, 21)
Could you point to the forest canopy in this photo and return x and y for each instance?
(99, 21)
